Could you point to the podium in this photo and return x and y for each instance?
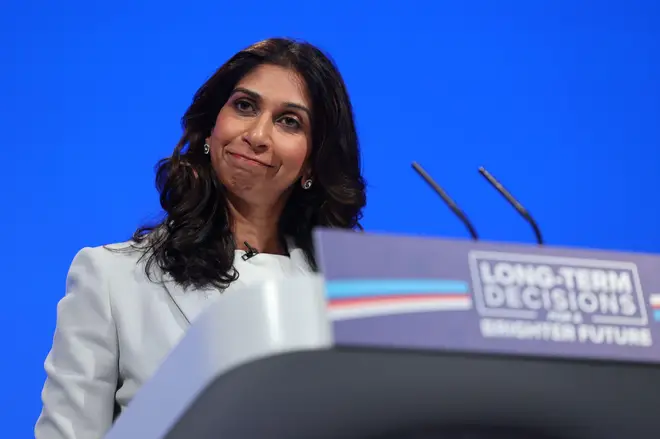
(414, 338)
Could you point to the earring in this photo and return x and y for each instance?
(307, 184)
(207, 148)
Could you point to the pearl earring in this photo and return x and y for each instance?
(207, 148)
(307, 184)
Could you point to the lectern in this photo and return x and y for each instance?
(405, 337)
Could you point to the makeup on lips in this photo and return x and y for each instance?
(240, 158)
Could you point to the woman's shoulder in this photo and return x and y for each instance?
(110, 258)
(112, 253)
(93, 321)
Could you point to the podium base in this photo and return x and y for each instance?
(381, 394)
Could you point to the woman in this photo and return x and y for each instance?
(269, 151)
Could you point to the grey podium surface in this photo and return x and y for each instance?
(275, 374)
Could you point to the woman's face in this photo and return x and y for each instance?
(262, 136)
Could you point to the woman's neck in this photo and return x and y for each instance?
(257, 226)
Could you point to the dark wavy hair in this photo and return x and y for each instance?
(194, 241)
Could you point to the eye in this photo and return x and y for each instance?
(290, 122)
(243, 105)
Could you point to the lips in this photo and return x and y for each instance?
(246, 159)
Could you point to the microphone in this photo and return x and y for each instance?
(516, 205)
(250, 253)
(447, 199)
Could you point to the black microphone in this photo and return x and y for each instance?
(516, 205)
(250, 253)
(447, 199)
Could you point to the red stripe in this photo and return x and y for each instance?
(395, 299)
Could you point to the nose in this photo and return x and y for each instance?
(258, 134)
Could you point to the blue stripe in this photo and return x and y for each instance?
(338, 289)
(656, 314)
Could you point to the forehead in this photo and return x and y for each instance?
(276, 84)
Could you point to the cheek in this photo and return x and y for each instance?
(224, 127)
(294, 155)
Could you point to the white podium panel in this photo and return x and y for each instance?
(272, 318)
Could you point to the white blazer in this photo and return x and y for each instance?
(114, 328)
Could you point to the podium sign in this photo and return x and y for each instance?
(420, 293)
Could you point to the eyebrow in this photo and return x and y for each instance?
(256, 96)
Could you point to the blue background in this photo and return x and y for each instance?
(559, 99)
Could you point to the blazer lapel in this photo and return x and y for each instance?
(190, 302)
(298, 257)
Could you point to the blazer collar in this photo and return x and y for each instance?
(190, 302)
(297, 256)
